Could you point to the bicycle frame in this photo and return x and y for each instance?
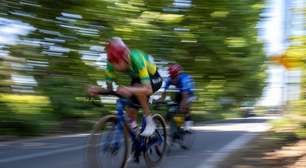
(138, 142)
(117, 133)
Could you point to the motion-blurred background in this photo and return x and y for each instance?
(246, 57)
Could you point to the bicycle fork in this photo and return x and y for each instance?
(114, 138)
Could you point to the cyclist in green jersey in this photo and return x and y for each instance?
(145, 79)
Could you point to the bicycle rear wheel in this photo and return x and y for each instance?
(108, 144)
(156, 144)
(187, 138)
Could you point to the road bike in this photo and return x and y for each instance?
(175, 120)
(109, 143)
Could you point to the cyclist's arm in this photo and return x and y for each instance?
(95, 90)
(164, 93)
(187, 84)
(145, 86)
(186, 90)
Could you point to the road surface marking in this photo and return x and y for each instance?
(238, 143)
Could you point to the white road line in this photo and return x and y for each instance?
(31, 156)
(236, 144)
(220, 155)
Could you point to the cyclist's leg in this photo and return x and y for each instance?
(188, 120)
(186, 111)
(138, 101)
(132, 116)
(134, 105)
(170, 113)
(190, 100)
(143, 101)
(150, 125)
(156, 82)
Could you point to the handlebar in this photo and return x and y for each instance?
(169, 103)
(111, 93)
(166, 102)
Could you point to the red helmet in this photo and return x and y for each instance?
(174, 70)
(116, 50)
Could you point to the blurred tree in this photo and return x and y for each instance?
(216, 41)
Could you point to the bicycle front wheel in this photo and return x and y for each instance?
(157, 143)
(108, 144)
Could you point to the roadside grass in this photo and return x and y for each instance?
(283, 146)
(267, 150)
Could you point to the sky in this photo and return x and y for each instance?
(273, 34)
(273, 27)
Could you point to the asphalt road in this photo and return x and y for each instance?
(213, 143)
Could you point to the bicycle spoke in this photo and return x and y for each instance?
(108, 145)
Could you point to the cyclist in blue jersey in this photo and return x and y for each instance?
(185, 85)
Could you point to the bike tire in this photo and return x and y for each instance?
(93, 148)
(159, 149)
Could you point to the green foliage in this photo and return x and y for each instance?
(215, 41)
(24, 115)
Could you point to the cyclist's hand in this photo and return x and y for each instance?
(124, 91)
(93, 90)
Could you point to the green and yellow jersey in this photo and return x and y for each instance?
(142, 67)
